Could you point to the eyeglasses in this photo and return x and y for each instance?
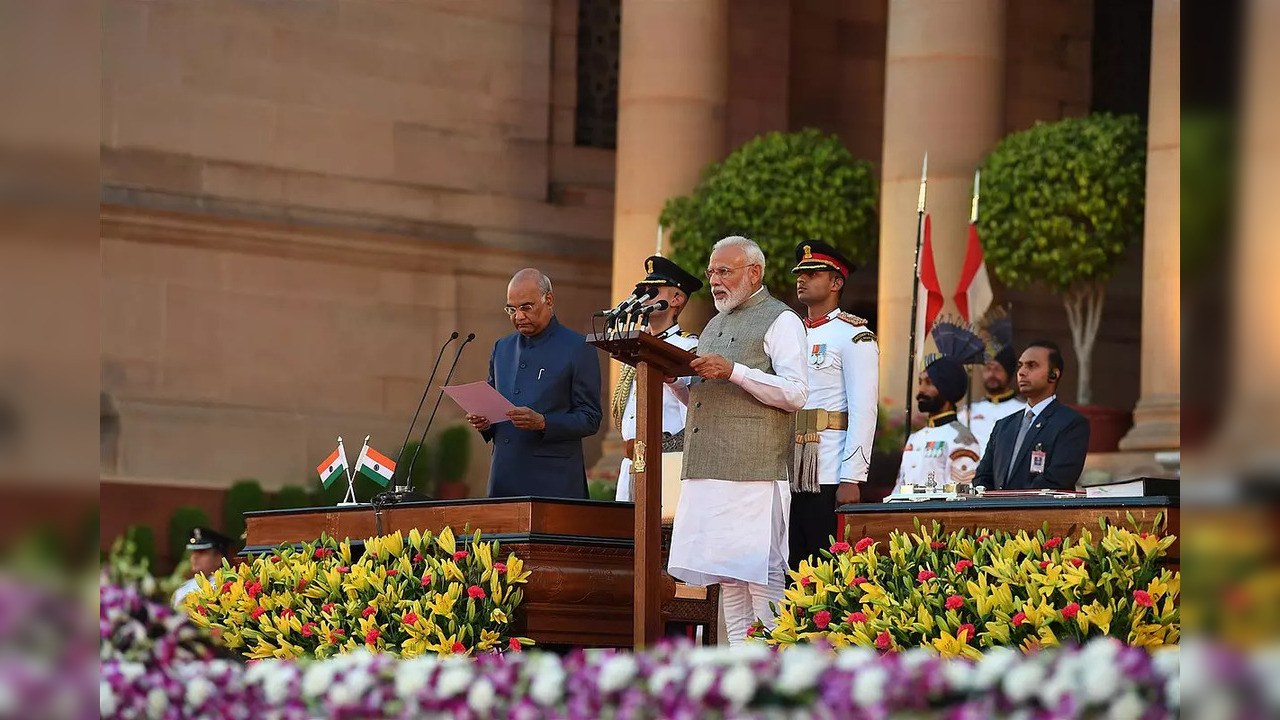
(524, 308)
(723, 272)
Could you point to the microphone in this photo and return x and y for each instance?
(640, 313)
(423, 439)
(616, 308)
(638, 300)
(425, 390)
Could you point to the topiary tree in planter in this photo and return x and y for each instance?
(778, 189)
(293, 496)
(243, 496)
(455, 456)
(1062, 202)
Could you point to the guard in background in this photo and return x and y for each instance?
(207, 548)
(998, 373)
(836, 428)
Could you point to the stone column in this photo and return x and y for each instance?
(672, 93)
(944, 93)
(1157, 415)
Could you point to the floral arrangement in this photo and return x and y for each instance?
(960, 592)
(135, 627)
(404, 596)
(1100, 678)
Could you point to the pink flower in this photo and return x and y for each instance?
(342, 569)
(962, 565)
(856, 617)
(500, 567)
(202, 610)
(322, 553)
(371, 637)
(822, 619)
(460, 555)
(1144, 535)
(392, 572)
(458, 648)
(840, 547)
(1044, 564)
(326, 608)
(226, 586)
(426, 580)
(287, 612)
(410, 618)
(514, 645)
(1052, 542)
(308, 629)
(257, 612)
(1018, 619)
(1077, 561)
(805, 581)
(883, 641)
(751, 631)
(955, 602)
(926, 575)
(253, 589)
(475, 591)
(1143, 598)
(857, 581)
(371, 610)
(966, 630)
(336, 636)
(1070, 611)
(418, 558)
(863, 544)
(983, 538)
(937, 545)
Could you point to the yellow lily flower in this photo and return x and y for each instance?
(446, 542)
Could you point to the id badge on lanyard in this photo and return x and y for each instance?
(1037, 459)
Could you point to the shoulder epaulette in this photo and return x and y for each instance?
(852, 319)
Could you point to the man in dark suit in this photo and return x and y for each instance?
(553, 376)
(1043, 446)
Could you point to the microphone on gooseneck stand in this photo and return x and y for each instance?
(648, 310)
(410, 494)
(423, 399)
(628, 311)
(618, 308)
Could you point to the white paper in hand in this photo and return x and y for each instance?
(478, 398)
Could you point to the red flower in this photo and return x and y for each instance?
(417, 558)
(926, 575)
(751, 631)
(1144, 535)
(822, 619)
(840, 547)
(863, 544)
(955, 602)
(805, 581)
(308, 629)
(371, 637)
(426, 580)
(287, 612)
(937, 545)
(336, 636)
(475, 591)
(1143, 598)
(322, 553)
(1077, 561)
(460, 555)
(302, 585)
(500, 567)
(257, 612)
(226, 586)
(963, 565)
(883, 641)
(275, 558)
(514, 645)
(1070, 611)
(371, 610)
(1044, 564)
(1052, 542)
(252, 589)
(856, 617)
(342, 569)
(983, 538)
(857, 581)
(393, 572)
(966, 628)
(202, 610)
(326, 608)
(459, 648)
(1020, 618)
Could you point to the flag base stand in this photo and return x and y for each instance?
(401, 494)
(347, 503)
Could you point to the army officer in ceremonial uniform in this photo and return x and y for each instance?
(674, 287)
(208, 548)
(837, 426)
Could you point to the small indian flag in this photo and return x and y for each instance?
(375, 466)
(333, 466)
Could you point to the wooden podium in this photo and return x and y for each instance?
(653, 360)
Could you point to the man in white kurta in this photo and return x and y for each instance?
(731, 521)
(674, 286)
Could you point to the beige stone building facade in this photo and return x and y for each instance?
(300, 200)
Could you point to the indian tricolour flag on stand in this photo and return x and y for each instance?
(333, 466)
(375, 466)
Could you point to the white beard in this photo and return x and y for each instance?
(733, 299)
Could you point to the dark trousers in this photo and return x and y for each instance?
(813, 523)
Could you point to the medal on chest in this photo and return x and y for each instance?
(818, 355)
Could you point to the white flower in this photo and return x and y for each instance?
(318, 678)
(738, 686)
(276, 686)
(854, 657)
(157, 703)
(700, 682)
(958, 675)
(480, 697)
(801, 667)
(868, 685)
(412, 676)
(664, 676)
(1022, 681)
(993, 666)
(1100, 681)
(617, 672)
(107, 702)
(199, 690)
(548, 680)
(1128, 707)
(1053, 689)
(1173, 693)
(454, 678)
(1265, 665)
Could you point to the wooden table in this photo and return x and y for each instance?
(579, 554)
(1066, 517)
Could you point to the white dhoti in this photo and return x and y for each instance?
(734, 534)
